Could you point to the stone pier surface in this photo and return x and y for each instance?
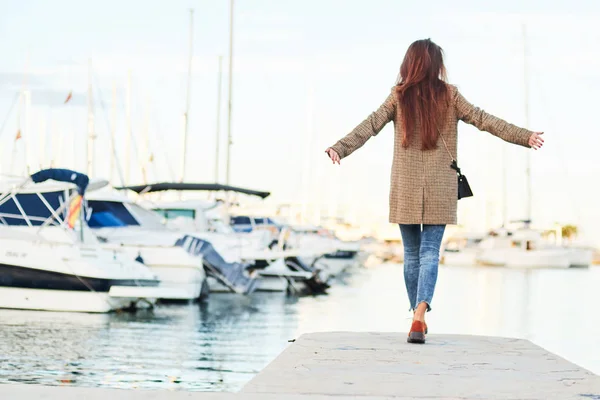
(379, 366)
(447, 367)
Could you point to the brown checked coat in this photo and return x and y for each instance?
(423, 186)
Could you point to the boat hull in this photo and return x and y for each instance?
(41, 275)
(521, 259)
(34, 289)
(272, 284)
(181, 274)
(579, 258)
(63, 300)
(264, 284)
(15, 276)
(185, 280)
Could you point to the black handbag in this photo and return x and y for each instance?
(464, 190)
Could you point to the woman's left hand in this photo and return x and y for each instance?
(536, 141)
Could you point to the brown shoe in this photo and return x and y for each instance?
(417, 332)
(426, 330)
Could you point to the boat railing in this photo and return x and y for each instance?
(19, 216)
(6, 196)
(55, 218)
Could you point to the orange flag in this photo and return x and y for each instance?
(74, 211)
(19, 136)
(69, 97)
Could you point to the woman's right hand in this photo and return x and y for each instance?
(536, 141)
(335, 157)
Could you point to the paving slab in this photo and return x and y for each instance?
(446, 367)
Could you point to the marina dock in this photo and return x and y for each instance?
(341, 365)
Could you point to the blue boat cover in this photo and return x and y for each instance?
(63, 175)
(32, 206)
(233, 275)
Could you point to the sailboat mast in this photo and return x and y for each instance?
(128, 138)
(186, 116)
(27, 136)
(113, 130)
(307, 205)
(218, 133)
(146, 140)
(229, 142)
(42, 150)
(91, 134)
(27, 110)
(54, 140)
(526, 109)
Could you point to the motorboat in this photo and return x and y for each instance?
(52, 261)
(264, 270)
(332, 255)
(317, 246)
(122, 223)
(521, 248)
(580, 257)
(241, 262)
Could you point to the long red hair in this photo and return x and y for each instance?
(422, 92)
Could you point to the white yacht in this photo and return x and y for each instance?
(462, 249)
(333, 256)
(239, 262)
(274, 268)
(120, 222)
(580, 257)
(521, 248)
(50, 260)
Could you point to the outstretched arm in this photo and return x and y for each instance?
(369, 127)
(483, 121)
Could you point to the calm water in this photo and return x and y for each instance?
(222, 345)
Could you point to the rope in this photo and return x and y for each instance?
(90, 288)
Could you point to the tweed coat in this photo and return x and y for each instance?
(424, 189)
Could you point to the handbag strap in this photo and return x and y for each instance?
(446, 146)
(454, 164)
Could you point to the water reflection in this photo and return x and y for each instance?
(221, 345)
(214, 346)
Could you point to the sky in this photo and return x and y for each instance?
(304, 74)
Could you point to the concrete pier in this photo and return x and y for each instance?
(383, 366)
(447, 367)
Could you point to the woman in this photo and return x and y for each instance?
(423, 195)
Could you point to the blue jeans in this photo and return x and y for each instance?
(421, 260)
